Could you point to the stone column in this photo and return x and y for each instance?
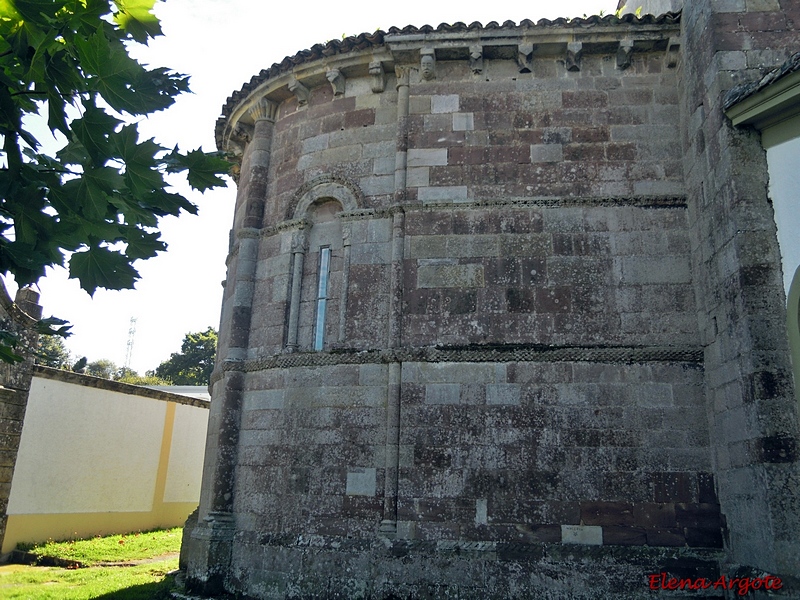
(345, 281)
(752, 412)
(208, 558)
(389, 522)
(299, 248)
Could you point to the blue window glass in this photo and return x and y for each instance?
(322, 296)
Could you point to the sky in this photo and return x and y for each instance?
(221, 44)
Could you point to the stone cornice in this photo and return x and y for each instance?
(353, 56)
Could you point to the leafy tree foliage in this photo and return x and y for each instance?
(101, 368)
(95, 203)
(52, 352)
(130, 376)
(194, 363)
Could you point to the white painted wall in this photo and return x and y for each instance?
(783, 161)
(86, 450)
(94, 460)
(186, 454)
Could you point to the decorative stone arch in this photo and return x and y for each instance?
(323, 250)
(323, 187)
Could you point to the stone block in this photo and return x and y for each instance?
(589, 535)
(442, 393)
(457, 193)
(503, 394)
(481, 511)
(263, 400)
(426, 157)
(418, 177)
(361, 481)
(463, 122)
(546, 153)
(450, 276)
(444, 104)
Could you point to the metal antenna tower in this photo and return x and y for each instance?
(129, 351)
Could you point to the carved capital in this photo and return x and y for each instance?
(346, 233)
(573, 58)
(476, 59)
(265, 110)
(403, 75)
(427, 64)
(300, 91)
(525, 58)
(336, 79)
(378, 77)
(300, 241)
(624, 53)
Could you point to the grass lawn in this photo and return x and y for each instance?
(146, 581)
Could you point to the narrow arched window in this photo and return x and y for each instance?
(322, 296)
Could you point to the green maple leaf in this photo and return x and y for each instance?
(100, 267)
(202, 169)
(137, 19)
(141, 175)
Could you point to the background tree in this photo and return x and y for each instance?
(194, 363)
(125, 375)
(101, 368)
(51, 352)
(93, 205)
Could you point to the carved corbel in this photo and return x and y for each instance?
(673, 52)
(264, 110)
(240, 136)
(427, 64)
(624, 53)
(525, 58)
(378, 77)
(300, 91)
(476, 59)
(573, 58)
(336, 79)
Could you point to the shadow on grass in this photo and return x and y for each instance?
(159, 590)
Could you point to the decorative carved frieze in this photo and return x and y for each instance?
(573, 58)
(300, 91)
(378, 77)
(337, 81)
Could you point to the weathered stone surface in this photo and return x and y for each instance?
(543, 354)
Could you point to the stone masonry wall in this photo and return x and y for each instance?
(462, 355)
(741, 304)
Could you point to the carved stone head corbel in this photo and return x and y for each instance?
(427, 64)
